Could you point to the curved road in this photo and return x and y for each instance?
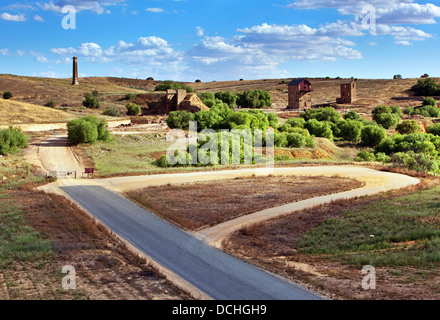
(192, 257)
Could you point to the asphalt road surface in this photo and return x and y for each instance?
(219, 275)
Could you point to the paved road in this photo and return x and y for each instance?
(219, 275)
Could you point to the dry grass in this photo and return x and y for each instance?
(105, 269)
(198, 205)
(14, 112)
(273, 245)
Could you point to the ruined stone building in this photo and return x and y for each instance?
(159, 103)
(348, 93)
(300, 96)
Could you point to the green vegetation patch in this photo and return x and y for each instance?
(18, 241)
(403, 231)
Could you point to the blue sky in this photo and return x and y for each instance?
(185, 40)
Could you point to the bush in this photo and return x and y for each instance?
(91, 101)
(323, 114)
(382, 157)
(280, 140)
(112, 112)
(87, 130)
(365, 156)
(254, 99)
(180, 119)
(11, 140)
(396, 110)
(7, 95)
(296, 140)
(409, 111)
(380, 110)
(273, 120)
(171, 85)
(319, 129)
(372, 136)
(296, 122)
(352, 115)
(388, 120)
(133, 109)
(428, 111)
(430, 102)
(51, 104)
(198, 81)
(227, 97)
(408, 127)
(434, 129)
(130, 96)
(426, 87)
(150, 79)
(351, 130)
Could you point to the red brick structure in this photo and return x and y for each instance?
(348, 93)
(75, 80)
(300, 97)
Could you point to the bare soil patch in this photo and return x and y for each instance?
(197, 205)
(272, 246)
(105, 269)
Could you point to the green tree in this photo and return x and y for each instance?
(371, 136)
(133, 109)
(351, 130)
(428, 101)
(408, 127)
(254, 99)
(7, 95)
(91, 101)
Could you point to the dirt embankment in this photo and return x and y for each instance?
(105, 269)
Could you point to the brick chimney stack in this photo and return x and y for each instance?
(75, 71)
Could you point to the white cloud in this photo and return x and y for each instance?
(38, 18)
(403, 42)
(10, 17)
(155, 10)
(39, 57)
(200, 32)
(4, 52)
(388, 12)
(98, 7)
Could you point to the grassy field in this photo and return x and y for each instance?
(15, 112)
(130, 154)
(402, 231)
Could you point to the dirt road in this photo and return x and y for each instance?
(55, 155)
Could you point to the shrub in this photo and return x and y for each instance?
(426, 87)
(382, 157)
(323, 114)
(91, 101)
(351, 130)
(11, 140)
(171, 85)
(319, 129)
(112, 112)
(388, 120)
(227, 97)
(352, 115)
(273, 120)
(297, 122)
(51, 104)
(434, 129)
(87, 130)
(372, 136)
(409, 111)
(280, 140)
(7, 95)
(180, 119)
(254, 99)
(430, 102)
(133, 109)
(365, 156)
(380, 110)
(408, 127)
(150, 79)
(198, 81)
(396, 110)
(130, 96)
(296, 140)
(95, 93)
(428, 111)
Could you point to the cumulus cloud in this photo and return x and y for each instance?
(10, 17)
(155, 10)
(388, 12)
(98, 7)
(146, 50)
(38, 18)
